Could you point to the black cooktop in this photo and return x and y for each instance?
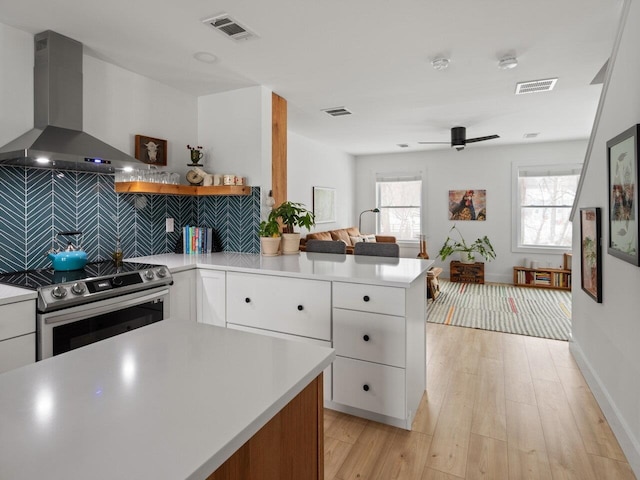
(34, 279)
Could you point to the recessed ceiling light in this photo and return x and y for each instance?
(507, 63)
(42, 160)
(205, 57)
(440, 63)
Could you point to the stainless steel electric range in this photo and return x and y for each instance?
(102, 300)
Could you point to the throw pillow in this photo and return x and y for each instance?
(369, 238)
(355, 240)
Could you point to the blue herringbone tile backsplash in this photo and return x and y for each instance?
(35, 204)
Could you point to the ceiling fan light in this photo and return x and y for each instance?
(507, 63)
(440, 63)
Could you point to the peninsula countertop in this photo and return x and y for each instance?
(172, 400)
(398, 272)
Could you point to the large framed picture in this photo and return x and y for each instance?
(590, 252)
(468, 205)
(324, 204)
(151, 150)
(622, 162)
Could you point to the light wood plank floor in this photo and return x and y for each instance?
(497, 406)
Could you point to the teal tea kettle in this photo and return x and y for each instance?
(67, 257)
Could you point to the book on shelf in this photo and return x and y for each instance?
(197, 239)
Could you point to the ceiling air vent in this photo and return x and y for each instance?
(531, 135)
(337, 111)
(536, 86)
(403, 145)
(229, 27)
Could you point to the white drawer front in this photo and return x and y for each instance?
(369, 386)
(327, 383)
(281, 304)
(17, 319)
(17, 352)
(369, 298)
(369, 336)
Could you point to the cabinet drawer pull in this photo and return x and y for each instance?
(365, 387)
(366, 298)
(300, 308)
(247, 300)
(366, 338)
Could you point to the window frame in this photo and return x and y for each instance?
(381, 177)
(517, 167)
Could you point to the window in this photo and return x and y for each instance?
(544, 200)
(399, 199)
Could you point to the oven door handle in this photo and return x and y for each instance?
(91, 310)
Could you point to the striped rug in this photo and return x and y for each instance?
(535, 312)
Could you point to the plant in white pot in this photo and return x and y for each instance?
(482, 246)
(292, 215)
(269, 232)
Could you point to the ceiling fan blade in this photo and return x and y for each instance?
(434, 143)
(482, 139)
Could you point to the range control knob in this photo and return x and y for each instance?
(59, 292)
(78, 288)
(161, 272)
(148, 274)
(116, 281)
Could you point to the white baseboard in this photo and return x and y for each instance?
(620, 427)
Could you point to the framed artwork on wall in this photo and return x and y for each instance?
(324, 204)
(468, 205)
(590, 252)
(622, 169)
(152, 151)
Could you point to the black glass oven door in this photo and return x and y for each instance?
(83, 332)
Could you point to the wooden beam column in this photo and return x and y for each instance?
(278, 148)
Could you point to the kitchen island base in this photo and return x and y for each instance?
(289, 447)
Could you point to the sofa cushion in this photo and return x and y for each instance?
(353, 232)
(319, 236)
(341, 235)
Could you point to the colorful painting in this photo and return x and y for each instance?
(468, 205)
(591, 258)
(622, 157)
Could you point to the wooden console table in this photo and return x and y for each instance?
(466, 272)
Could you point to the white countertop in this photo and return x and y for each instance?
(9, 294)
(398, 272)
(172, 400)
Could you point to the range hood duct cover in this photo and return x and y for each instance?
(57, 133)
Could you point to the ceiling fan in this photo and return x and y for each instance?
(459, 138)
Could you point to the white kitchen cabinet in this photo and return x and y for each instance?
(182, 297)
(211, 297)
(282, 304)
(379, 335)
(17, 334)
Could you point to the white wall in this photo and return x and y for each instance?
(310, 164)
(235, 130)
(606, 336)
(477, 167)
(118, 104)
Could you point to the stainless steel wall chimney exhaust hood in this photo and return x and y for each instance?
(57, 139)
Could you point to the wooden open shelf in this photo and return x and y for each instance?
(557, 278)
(168, 189)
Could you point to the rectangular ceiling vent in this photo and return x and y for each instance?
(536, 86)
(337, 111)
(531, 135)
(229, 27)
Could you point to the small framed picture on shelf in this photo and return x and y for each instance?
(590, 252)
(566, 261)
(152, 151)
(622, 162)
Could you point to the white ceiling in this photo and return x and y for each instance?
(370, 56)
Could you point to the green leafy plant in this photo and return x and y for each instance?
(293, 215)
(269, 228)
(481, 246)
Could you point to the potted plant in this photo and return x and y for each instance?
(482, 246)
(269, 232)
(292, 215)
